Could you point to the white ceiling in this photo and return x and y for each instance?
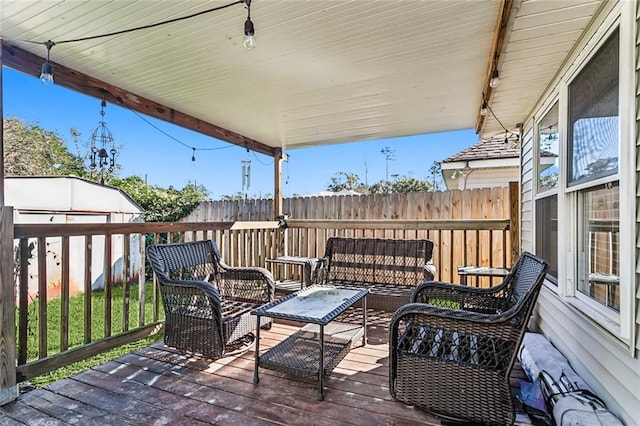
(323, 71)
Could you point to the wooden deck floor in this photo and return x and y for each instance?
(158, 386)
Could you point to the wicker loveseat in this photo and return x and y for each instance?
(390, 269)
(452, 351)
(207, 304)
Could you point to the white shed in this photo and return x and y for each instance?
(65, 200)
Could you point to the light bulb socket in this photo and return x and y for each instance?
(495, 78)
(484, 109)
(248, 28)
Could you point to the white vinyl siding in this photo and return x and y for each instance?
(526, 195)
(637, 127)
(609, 364)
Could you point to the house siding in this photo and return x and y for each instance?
(526, 188)
(611, 367)
(637, 127)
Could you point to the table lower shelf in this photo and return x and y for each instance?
(289, 286)
(299, 354)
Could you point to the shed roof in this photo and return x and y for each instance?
(66, 194)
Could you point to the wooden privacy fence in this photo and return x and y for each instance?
(480, 242)
(468, 227)
(486, 203)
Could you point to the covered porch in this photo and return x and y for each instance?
(353, 71)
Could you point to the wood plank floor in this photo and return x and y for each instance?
(157, 386)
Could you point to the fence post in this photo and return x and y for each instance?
(8, 386)
(514, 219)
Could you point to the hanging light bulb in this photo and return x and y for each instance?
(483, 110)
(46, 75)
(249, 31)
(495, 78)
(193, 155)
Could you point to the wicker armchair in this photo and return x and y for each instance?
(207, 304)
(451, 352)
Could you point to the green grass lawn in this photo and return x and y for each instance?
(76, 328)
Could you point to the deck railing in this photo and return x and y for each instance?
(57, 261)
(83, 250)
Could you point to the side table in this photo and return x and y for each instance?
(309, 266)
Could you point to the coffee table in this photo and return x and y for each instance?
(318, 347)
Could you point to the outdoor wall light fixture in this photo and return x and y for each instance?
(249, 39)
(463, 172)
(46, 76)
(103, 151)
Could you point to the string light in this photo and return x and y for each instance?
(495, 79)
(495, 75)
(249, 31)
(507, 133)
(46, 75)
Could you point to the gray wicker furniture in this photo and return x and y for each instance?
(390, 269)
(207, 304)
(452, 351)
(317, 348)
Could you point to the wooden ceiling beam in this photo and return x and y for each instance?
(496, 50)
(24, 61)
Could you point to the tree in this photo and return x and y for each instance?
(389, 155)
(30, 150)
(400, 184)
(348, 181)
(160, 204)
(436, 176)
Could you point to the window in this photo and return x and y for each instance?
(599, 273)
(592, 166)
(547, 198)
(593, 117)
(547, 233)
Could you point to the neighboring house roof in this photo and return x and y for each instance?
(66, 194)
(486, 150)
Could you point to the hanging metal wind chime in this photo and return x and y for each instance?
(103, 151)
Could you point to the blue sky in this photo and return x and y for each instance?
(152, 154)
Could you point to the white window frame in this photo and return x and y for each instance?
(549, 105)
(619, 324)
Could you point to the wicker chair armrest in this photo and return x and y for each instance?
(448, 313)
(455, 296)
(206, 287)
(258, 283)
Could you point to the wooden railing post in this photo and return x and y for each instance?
(514, 219)
(8, 387)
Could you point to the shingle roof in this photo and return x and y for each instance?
(486, 150)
